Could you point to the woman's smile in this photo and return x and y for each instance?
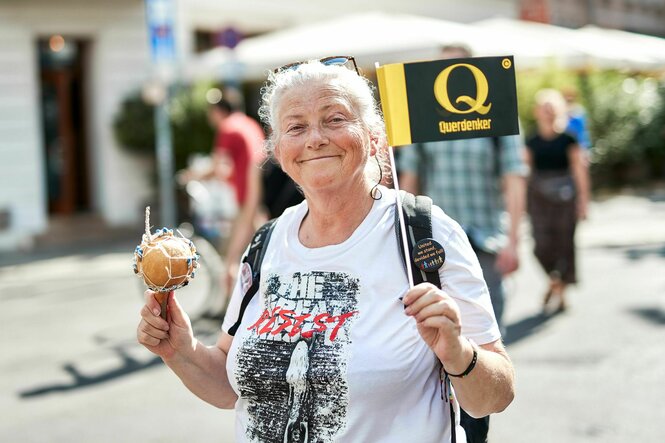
(317, 158)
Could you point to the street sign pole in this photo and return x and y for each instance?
(160, 22)
(165, 162)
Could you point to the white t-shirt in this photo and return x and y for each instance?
(325, 352)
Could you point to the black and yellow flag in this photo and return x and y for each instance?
(448, 99)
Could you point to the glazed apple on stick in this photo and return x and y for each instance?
(165, 261)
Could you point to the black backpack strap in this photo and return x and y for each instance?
(257, 250)
(417, 212)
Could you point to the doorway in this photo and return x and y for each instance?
(62, 63)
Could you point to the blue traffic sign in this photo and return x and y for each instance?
(160, 18)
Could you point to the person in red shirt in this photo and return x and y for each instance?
(239, 143)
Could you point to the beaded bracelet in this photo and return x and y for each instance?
(468, 369)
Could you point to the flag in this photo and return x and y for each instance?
(448, 99)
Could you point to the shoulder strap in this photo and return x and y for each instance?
(417, 212)
(257, 249)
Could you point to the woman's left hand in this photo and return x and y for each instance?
(439, 324)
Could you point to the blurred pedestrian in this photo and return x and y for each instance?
(239, 143)
(474, 181)
(558, 194)
(211, 199)
(335, 346)
(577, 124)
(279, 191)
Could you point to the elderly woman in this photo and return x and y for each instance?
(336, 347)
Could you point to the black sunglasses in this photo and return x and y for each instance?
(335, 60)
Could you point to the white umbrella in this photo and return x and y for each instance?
(627, 46)
(370, 37)
(531, 41)
(367, 36)
(387, 38)
(572, 48)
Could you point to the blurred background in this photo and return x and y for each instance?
(81, 86)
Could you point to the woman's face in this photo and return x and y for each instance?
(321, 143)
(544, 113)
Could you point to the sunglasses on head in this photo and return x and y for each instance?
(335, 60)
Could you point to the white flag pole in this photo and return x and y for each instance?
(402, 223)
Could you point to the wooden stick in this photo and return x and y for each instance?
(163, 299)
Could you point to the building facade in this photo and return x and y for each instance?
(641, 16)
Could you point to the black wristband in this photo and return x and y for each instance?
(468, 369)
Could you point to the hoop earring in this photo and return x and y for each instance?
(375, 192)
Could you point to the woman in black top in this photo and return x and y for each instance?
(558, 193)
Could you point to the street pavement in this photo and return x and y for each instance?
(596, 372)
(71, 370)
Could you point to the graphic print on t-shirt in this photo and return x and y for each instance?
(291, 367)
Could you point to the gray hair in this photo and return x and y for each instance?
(356, 89)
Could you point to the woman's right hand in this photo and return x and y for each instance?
(165, 338)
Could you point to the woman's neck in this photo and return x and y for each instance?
(332, 218)
(547, 131)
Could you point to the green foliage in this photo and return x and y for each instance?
(626, 116)
(134, 127)
(191, 131)
(530, 82)
(135, 130)
(652, 128)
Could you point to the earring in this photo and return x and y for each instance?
(375, 192)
